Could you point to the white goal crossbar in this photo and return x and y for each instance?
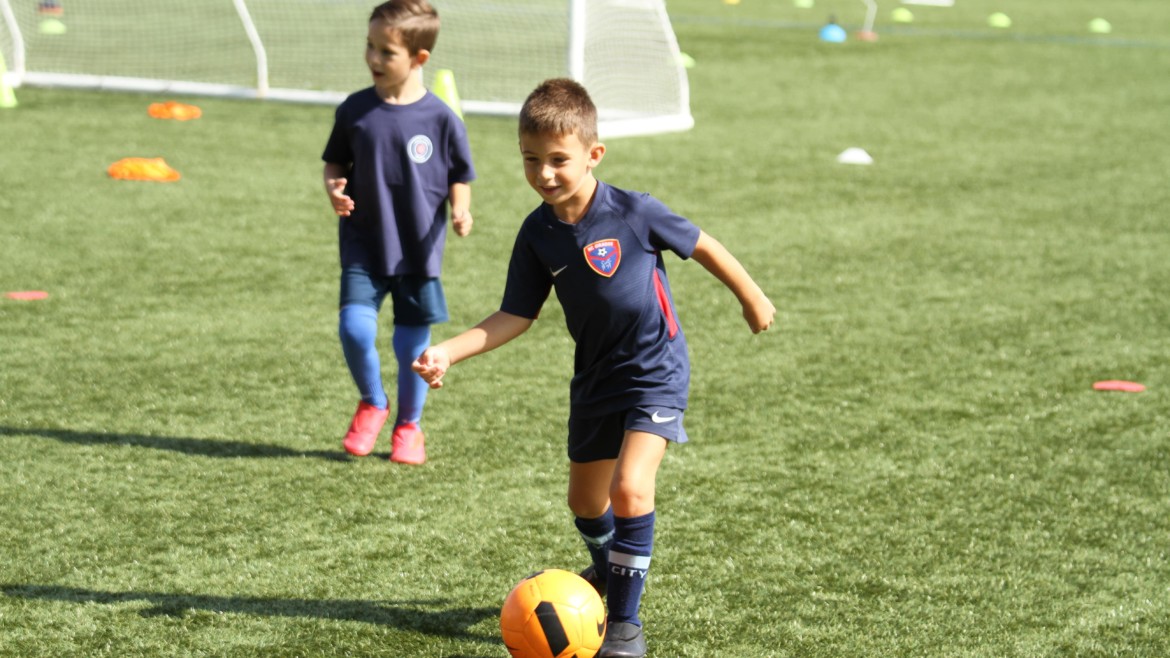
(310, 51)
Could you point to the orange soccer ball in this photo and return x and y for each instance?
(553, 614)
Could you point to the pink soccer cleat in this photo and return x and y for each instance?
(408, 445)
(363, 430)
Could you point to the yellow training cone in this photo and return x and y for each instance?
(444, 88)
(7, 97)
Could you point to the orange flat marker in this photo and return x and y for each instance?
(149, 169)
(174, 110)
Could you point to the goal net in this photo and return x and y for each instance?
(623, 51)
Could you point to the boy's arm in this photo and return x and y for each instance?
(460, 195)
(335, 182)
(757, 308)
(497, 329)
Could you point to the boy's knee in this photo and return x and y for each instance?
(587, 506)
(631, 499)
(357, 323)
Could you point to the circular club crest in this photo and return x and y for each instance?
(420, 149)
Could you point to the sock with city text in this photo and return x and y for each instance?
(629, 563)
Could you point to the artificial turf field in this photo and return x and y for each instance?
(912, 462)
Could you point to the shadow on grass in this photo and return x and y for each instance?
(204, 447)
(419, 616)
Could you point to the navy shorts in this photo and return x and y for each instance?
(600, 437)
(417, 300)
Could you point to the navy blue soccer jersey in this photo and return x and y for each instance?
(610, 278)
(403, 160)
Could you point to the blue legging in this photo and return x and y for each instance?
(358, 330)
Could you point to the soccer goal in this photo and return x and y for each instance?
(311, 51)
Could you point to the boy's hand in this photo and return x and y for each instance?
(431, 365)
(462, 222)
(335, 188)
(759, 314)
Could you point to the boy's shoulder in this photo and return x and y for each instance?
(362, 96)
(358, 103)
(629, 203)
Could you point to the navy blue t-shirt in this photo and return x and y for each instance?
(610, 278)
(403, 160)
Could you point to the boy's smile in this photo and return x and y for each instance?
(560, 169)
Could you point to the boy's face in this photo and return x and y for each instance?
(390, 61)
(560, 167)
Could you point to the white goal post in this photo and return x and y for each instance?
(311, 51)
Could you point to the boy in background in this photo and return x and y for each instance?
(600, 248)
(396, 157)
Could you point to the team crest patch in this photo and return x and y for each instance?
(420, 148)
(604, 256)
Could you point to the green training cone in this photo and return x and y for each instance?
(52, 27)
(1100, 26)
(444, 88)
(7, 96)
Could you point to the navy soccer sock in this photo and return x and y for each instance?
(598, 536)
(409, 342)
(629, 563)
(358, 329)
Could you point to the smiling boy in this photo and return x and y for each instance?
(600, 248)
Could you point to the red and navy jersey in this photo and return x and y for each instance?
(610, 278)
(403, 160)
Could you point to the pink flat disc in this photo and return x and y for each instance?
(27, 295)
(1119, 385)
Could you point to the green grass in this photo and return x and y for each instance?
(911, 463)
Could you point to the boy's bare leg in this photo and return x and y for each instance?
(632, 487)
(589, 487)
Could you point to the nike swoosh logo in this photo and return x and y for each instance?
(556, 272)
(662, 419)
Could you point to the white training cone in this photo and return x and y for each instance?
(854, 155)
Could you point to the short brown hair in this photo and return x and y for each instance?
(560, 106)
(416, 20)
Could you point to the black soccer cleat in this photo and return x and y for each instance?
(622, 640)
(589, 573)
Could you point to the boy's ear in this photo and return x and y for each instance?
(421, 57)
(596, 153)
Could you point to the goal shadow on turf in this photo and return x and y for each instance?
(190, 446)
(423, 616)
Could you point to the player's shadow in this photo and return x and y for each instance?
(429, 617)
(191, 446)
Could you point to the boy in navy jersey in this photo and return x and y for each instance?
(600, 248)
(397, 155)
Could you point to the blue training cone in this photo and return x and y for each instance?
(833, 33)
